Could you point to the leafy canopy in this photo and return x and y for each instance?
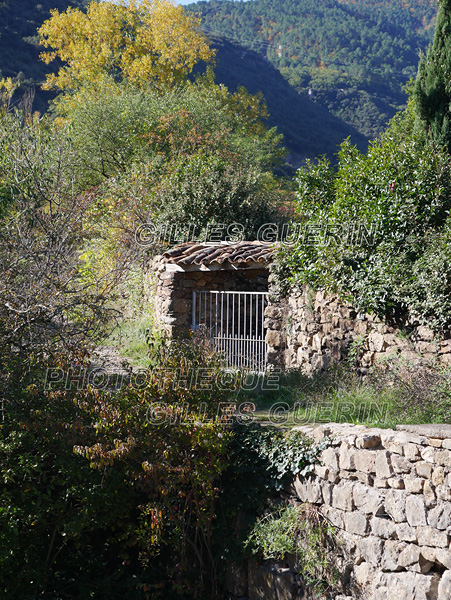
(147, 41)
(377, 231)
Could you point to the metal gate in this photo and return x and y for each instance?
(234, 323)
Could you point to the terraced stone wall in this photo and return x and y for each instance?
(389, 495)
(310, 330)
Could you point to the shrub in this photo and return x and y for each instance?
(302, 531)
(375, 223)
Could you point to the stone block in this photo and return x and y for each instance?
(406, 533)
(363, 574)
(438, 476)
(350, 475)
(342, 496)
(446, 444)
(411, 452)
(383, 465)
(443, 557)
(308, 490)
(435, 442)
(429, 492)
(370, 549)
(367, 500)
(321, 471)
(411, 558)
(425, 333)
(329, 457)
(396, 483)
(334, 515)
(400, 464)
(416, 511)
(443, 492)
(426, 348)
(356, 523)
(365, 478)
(333, 476)
(273, 311)
(383, 528)
(347, 457)
(317, 341)
(390, 557)
(413, 485)
(365, 461)
(380, 483)
(368, 440)
(406, 586)
(444, 588)
(440, 516)
(395, 505)
(377, 342)
(304, 340)
(393, 441)
(428, 454)
(429, 536)
(274, 338)
(326, 491)
(424, 469)
(443, 457)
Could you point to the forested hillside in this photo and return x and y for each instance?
(328, 69)
(352, 57)
(19, 42)
(309, 129)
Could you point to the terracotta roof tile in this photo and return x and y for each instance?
(192, 253)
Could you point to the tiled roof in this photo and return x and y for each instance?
(206, 254)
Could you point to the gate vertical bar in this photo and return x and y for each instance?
(193, 318)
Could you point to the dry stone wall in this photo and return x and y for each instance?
(311, 330)
(388, 494)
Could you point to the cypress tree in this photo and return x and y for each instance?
(432, 92)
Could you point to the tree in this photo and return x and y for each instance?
(376, 231)
(432, 91)
(147, 41)
(47, 302)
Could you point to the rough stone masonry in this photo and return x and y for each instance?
(311, 330)
(388, 493)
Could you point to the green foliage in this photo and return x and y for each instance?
(274, 535)
(261, 462)
(421, 390)
(302, 531)
(432, 91)
(195, 155)
(126, 125)
(140, 522)
(64, 528)
(373, 223)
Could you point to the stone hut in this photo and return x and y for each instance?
(226, 288)
(220, 286)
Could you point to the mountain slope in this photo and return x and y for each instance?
(353, 57)
(19, 46)
(309, 129)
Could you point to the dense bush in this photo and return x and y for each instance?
(379, 227)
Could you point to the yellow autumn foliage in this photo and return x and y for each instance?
(146, 41)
